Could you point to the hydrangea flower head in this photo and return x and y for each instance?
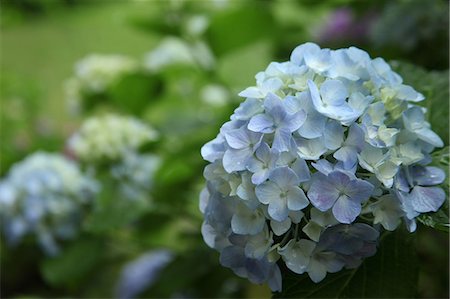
(109, 137)
(113, 142)
(43, 196)
(324, 148)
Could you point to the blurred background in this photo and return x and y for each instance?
(175, 67)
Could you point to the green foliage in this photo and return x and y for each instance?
(113, 211)
(391, 273)
(72, 266)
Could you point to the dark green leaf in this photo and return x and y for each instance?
(113, 211)
(71, 267)
(391, 273)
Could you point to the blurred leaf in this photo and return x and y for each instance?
(71, 267)
(134, 91)
(435, 87)
(113, 210)
(236, 28)
(391, 273)
(238, 68)
(202, 277)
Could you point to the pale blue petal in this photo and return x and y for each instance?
(247, 109)
(310, 149)
(262, 123)
(282, 140)
(278, 209)
(252, 92)
(294, 121)
(214, 149)
(323, 166)
(284, 177)
(301, 169)
(236, 160)
(346, 210)
(238, 139)
(316, 270)
(267, 191)
(247, 222)
(273, 102)
(298, 53)
(275, 281)
(313, 126)
(426, 199)
(333, 135)
(319, 61)
(427, 176)
(348, 155)
(429, 136)
(279, 228)
(296, 199)
(339, 179)
(260, 176)
(333, 92)
(359, 190)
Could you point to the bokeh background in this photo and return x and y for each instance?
(177, 66)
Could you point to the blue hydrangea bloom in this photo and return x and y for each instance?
(327, 150)
(142, 273)
(44, 196)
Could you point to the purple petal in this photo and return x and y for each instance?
(359, 190)
(322, 192)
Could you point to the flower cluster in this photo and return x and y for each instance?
(114, 141)
(325, 147)
(44, 195)
(173, 51)
(94, 74)
(109, 137)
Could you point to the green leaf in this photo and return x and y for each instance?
(113, 211)
(236, 28)
(72, 266)
(391, 273)
(238, 68)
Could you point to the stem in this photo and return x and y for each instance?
(285, 238)
(296, 232)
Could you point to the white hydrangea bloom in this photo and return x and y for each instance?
(96, 72)
(109, 137)
(173, 51)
